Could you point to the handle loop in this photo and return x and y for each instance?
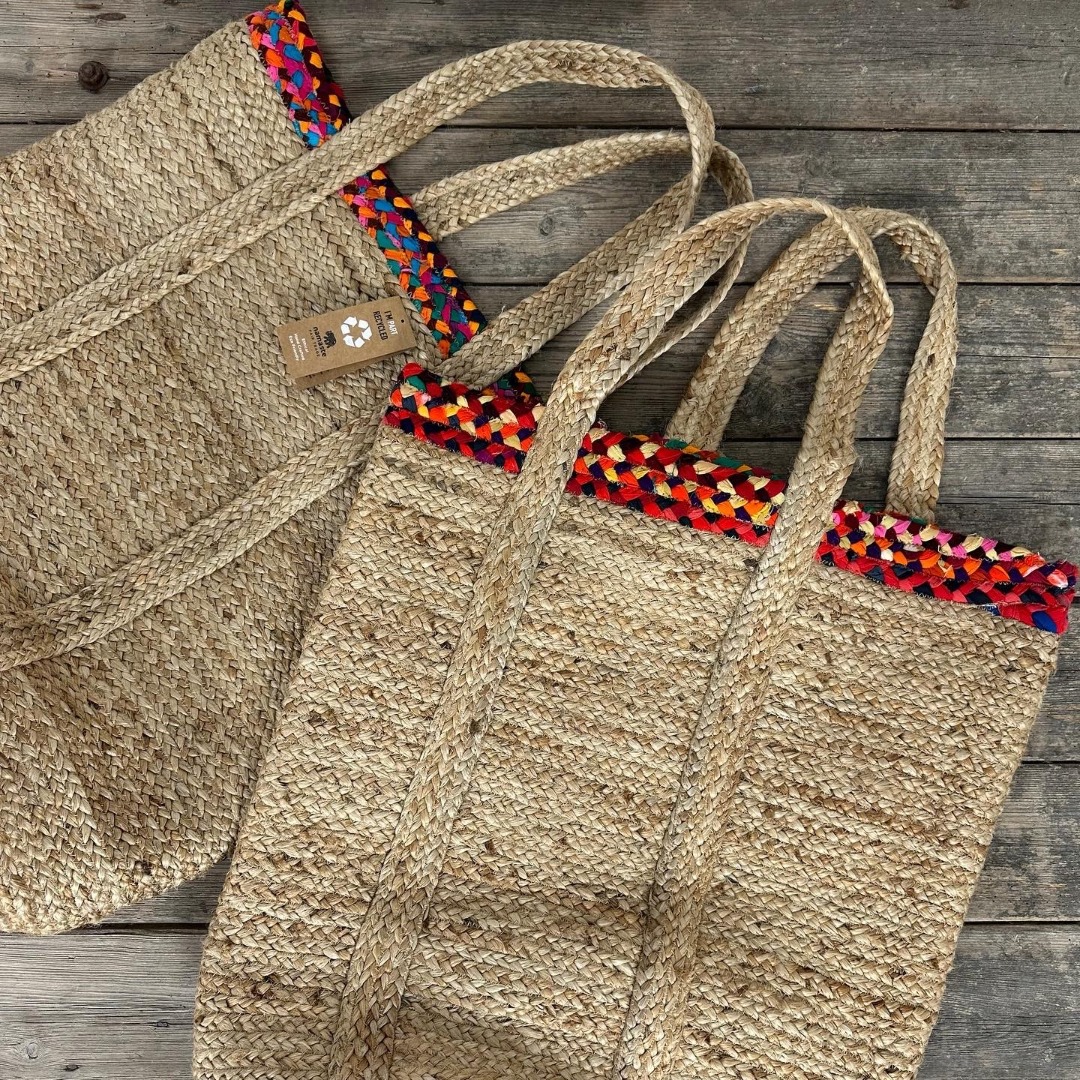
(706, 408)
(514, 335)
(454, 202)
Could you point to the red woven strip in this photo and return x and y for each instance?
(688, 486)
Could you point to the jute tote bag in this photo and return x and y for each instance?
(609, 757)
(169, 499)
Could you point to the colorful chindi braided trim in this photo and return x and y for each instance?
(317, 111)
(691, 487)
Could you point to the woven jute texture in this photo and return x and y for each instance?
(561, 790)
(168, 502)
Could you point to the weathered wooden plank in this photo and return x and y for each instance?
(1056, 734)
(1005, 203)
(951, 64)
(1017, 376)
(97, 1007)
(118, 1006)
(1030, 873)
(15, 136)
(1012, 1007)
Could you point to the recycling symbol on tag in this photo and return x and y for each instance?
(355, 331)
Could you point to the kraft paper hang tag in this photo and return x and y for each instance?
(322, 347)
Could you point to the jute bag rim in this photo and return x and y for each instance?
(869, 541)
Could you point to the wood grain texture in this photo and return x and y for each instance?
(902, 104)
(913, 63)
(98, 1006)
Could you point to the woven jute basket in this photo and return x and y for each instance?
(169, 499)
(606, 756)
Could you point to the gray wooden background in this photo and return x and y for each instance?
(964, 111)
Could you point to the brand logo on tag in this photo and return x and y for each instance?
(355, 332)
(325, 346)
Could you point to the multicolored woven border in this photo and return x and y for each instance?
(317, 110)
(680, 483)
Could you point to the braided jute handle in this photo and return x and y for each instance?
(619, 346)
(514, 335)
(465, 198)
(383, 132)
(686, 867)
(915, 475)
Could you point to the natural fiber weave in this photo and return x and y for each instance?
(169, 501)
(562, 790)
